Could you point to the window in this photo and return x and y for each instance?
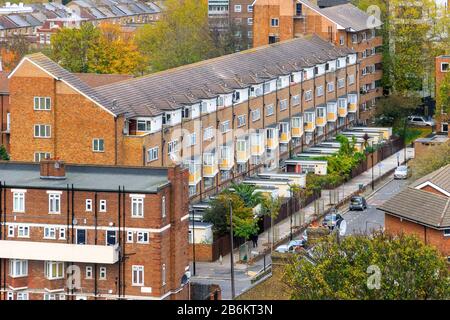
(308, 95)
(295, 100)
(172, 146)
(98, 145)
(18, 268)
(191, 139)
(266, 87)
(320, 112)
(102, 275)
(137, 275)
(39, 156)
(163, 274)
(241, 120)
(102, 206)
(49, 233)
(81, 236)
(445, 67)
(110, 237)
(330, 86)
(269, 110)
(144, 125)
(256, 114)
(225, 126)
(341, 83)
(19, 201)
(23, 231)
(274, 22)
(54, 270)
(250, 8)
(62, 233)
(42, 131)
(163, 206)
(354, 38)
(137, 207)
(351, 79)
(54, 203)
(320, 91)
(88, 272)
(250, 21)
(42, 103)
(250, 34)
(447, 232)
(22, 296)
(208, 133)
(283, 105)
(152, 154)
(142, 237)
(10, 231)
(341, 40)
(130, 237)
(237, 8)
(236, 96)
(10, 296)
(364, 36)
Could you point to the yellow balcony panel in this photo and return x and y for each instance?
(331, 116)
(309, 127)
(210, 171)
(352, 107)
(342, 112)
(285, 137)
(257, 150)
(242, 156)
(195, 178)
(321, 121)
(297, 132)
(226, 164)
(271, 143)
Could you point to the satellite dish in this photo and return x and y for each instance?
(342, 228)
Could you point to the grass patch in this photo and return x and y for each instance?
(413, 133)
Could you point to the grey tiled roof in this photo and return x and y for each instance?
(420, 206)
(225, 70)
(349, 16)
(440, 178)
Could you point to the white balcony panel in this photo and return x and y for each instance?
(50, 251)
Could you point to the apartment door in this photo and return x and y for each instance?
(81, 236)
(110, 237)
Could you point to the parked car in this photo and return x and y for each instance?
(402, 172)
(292, 246)
(420, 121)
(330, 220)
(358, 203)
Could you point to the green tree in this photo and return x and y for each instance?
(436, 157)
(375, 267)
(248, 194)
(180, 37)
(244, 223)
(443, 96)
(3, 154)
(71, 47)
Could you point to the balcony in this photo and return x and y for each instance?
(226, 161)
(195, 175)
(272, 138)
(285, 134)
(49, 251)
(242, 151)
(257, 144)
(321, 119)
(297, 127)
(210, 168)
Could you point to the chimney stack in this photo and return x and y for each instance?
(53, 169)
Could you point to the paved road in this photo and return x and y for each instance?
(372, 219)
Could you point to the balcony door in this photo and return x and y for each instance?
(81, 236)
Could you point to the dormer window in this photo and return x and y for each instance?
(186, 113)
(166, 118)
(144, 125)
(236, 96)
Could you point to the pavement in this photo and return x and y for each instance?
(218, 272)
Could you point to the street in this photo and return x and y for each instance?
(371, 219)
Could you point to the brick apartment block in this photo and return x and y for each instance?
(222, 118)
(341, 24)
(122, 231)
(423, 209)
(442, 69)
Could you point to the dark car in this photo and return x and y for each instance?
(358, 203)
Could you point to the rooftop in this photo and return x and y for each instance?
(85, 177)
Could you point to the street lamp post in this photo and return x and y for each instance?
(233, 293)
(193, 242)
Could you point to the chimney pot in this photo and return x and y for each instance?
(52, 169)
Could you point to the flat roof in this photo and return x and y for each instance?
(85, 177)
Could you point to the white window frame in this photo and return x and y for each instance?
(54, 203)
(130, 236)
(274, 22)
(225, 126)
(11, 229)
(241, 120)
(47, 131)
(89, 205)
(89, 272)
(283, 104)
(163, 274)
(152, 154)
(102, 273)
(341, 83)
(48, 267)
(22, 296)
(23, 231)
(39, 156)
(163, 206)
(50, 233)
(269, 110)
(18, 268)
(448, 66)
(137, 207)
(295, 100)
(256, 115)
(141, 235)
(102, 206)
(237, 8)
(319, 91)
(96, 145)
(308, 95)
(19, 201)
(47, 103)
(172, 147)
(330, 86)
(62, 234)
(137, 276)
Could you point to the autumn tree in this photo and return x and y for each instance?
(443, 96)
(436, 157)
(180, 37)
(369, 268)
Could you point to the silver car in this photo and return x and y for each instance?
(420, 121)
(402, 172)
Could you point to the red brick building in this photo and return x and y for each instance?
(442, 70)
(116, 232)
(423, 209)
(341, 24)
(4, 107)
